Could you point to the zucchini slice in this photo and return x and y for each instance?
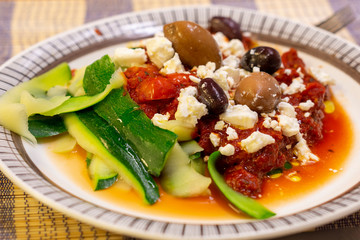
(13, 114)
(41, 126)
(101, 175)
(245, 204)
(178, 177)
(151, 143)
(96, 136)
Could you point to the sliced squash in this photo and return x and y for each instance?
(178, 177)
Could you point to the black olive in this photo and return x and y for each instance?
(227, 26)
(265, 58)
(212, 95)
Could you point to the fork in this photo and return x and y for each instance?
(338, 20)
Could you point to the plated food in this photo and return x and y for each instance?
(315, 153)
(157, 112)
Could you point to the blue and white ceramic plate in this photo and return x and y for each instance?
(30, 168)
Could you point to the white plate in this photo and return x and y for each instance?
(29, 168)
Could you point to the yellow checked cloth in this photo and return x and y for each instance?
(24, 23)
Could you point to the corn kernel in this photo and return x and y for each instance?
(295, 163)
(276, 175)
(295, 178)
(329, 106)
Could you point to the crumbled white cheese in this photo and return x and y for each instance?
(194, 79)
(270, 123)
(233, 47)
(286, 109)
(227, 77)
(321, 76)
(305, 106)
(289, 125)
(219, 125)
(173, 65)
(298, 70)
(128, 57)
(189, 108)
(256, 69)
(232, 134)
(283, 87)
(158, 119)
(159, 50)
(267, 122)
(270, 114)
(221, 78)
(204, 71)
(303, 152)
(240, 116)
(296, 86)
(231, 61)
(214, 139)
(227, 150)
(285, 99)
(307, 114)
(275, 125)
(220, 39)
(256, 141)
(287, 71)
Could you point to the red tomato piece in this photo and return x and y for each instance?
(157, 88)
(290, 59)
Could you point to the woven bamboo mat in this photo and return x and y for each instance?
(24, 23)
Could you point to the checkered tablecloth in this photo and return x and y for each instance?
(26, 22)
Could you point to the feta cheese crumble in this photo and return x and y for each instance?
(214, 139)
(159, 50)
(219, 125)
(289, 125)
(173, 65)
(128, 57)
(305, 106)
(232, 134)
(233, 47)
(303, 152)
(190, 109)
(158, 119)
(240, 116)
(231, 61)
(204, 71)
(286, 109)
(296, 86)
(227, 150)
(321, 76)
(270, 123)
(256, 141)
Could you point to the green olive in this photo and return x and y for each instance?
(194, 44)
(260, 92)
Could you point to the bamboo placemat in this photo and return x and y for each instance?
(24, 23)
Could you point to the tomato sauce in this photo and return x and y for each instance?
(332, 150)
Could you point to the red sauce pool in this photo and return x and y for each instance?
(332, 150)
